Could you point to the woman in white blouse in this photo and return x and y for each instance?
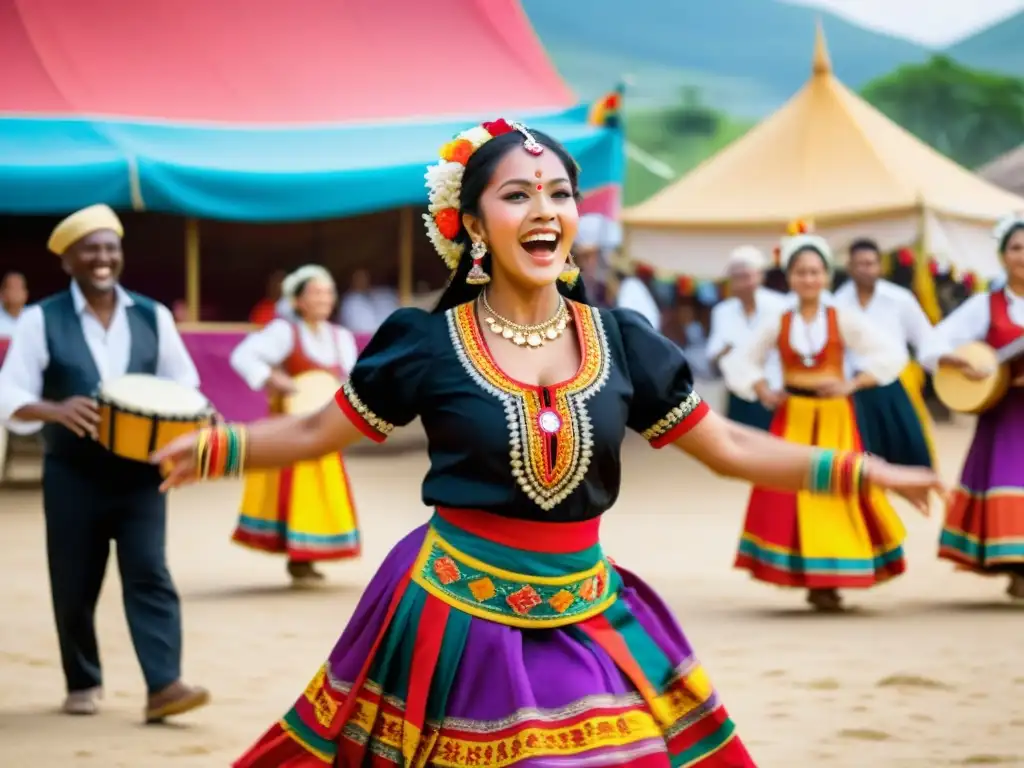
(984, 528)
(801, 540)
(305, 511)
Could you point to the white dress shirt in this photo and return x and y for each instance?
(881, 356)
(968, 322)
(633, 294)
(21, 377)
(7, 323)
(327, 345)
(731, 326)
(892, 309)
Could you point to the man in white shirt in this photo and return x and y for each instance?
(62, 349)
(734, 320)
(13, 298)
(896, 311)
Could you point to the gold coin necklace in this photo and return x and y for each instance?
(530, 336)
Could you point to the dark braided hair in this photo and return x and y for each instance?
(475, 179)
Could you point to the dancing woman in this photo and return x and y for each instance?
(499, 633)
(304, 510)
(792, 537)
(984, 529)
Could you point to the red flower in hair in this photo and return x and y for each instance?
(498, 127)
(905, 257)
(447, 223)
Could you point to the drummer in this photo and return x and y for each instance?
(306, 511)
(733, 321)
(984, 528)
(894, 419)
(62, 349)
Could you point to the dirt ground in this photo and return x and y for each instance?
(926, 672)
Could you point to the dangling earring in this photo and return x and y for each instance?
(476, 275)
(570, 272)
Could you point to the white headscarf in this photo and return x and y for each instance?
(1006, 225)
(794, 244)
(290, 285)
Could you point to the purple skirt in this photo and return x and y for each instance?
(984, 527)
(455, 658)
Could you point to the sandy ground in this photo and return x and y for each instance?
(927, 672)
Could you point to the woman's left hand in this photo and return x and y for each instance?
(915, 484)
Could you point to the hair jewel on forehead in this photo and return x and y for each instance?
(444, 183)
(530, 144)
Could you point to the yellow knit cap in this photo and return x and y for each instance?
(82, 223)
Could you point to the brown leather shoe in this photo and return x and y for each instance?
(176, 699)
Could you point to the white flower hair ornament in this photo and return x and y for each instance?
(291, 284)
(444, 184)
(1006, 225)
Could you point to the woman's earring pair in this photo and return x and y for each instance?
(476, 274)
(570, 272)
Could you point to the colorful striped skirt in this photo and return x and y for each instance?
(305, 511)
(753, 414)
(984, 528)
(815, 541)
(894, 422)
(489, 641)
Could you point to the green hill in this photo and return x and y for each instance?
(747, 56)
(996, 49)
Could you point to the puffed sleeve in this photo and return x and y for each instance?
(968, 322)
(383, 390)
(664, 405)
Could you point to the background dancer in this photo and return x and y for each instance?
(63, 347)
(500, 628)
(306, 510)
(734, 319)
(984, 528)
(794, 538)
(893, 419)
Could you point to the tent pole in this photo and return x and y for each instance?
(192, 268)
(405, 247)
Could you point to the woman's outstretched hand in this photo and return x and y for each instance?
(915, 484)
(177, 461)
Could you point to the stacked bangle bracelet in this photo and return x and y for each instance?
(221, 451)
(836, 474)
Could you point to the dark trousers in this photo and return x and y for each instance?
(85, 511)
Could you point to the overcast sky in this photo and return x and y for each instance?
(932, 22)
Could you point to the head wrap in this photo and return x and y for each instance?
(745, 257)
(82, 223)
(799, 237)
(1006, 225)
(598, 231)
(297, 279)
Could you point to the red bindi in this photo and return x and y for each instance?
(540, 186)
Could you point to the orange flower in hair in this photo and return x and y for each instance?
(448, 223)
(457, 151)
(799, 227)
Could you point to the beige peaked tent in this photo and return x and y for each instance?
(1006, 171)
(828, 156)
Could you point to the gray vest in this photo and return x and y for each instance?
(72, 371)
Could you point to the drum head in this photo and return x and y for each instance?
(150, 395)
(313, 390)
(960, 393)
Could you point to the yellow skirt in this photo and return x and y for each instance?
(815, 541)
(305, 511)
